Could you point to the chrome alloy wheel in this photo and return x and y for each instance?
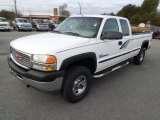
(79, 85)
(142, 57)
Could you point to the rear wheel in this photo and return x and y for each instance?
(138, 60)
(76, 84)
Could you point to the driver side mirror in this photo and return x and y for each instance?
(111, 35)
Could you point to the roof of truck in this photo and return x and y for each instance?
(99, 16)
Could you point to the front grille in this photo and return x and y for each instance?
(21, 58)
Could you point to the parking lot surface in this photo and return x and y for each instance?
(130, 93)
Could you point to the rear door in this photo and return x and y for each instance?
(111, 52)
(127, 44)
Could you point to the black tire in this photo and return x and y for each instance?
(70, 85)
(138, 60)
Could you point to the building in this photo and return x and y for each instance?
(55, 14)
(54, 17)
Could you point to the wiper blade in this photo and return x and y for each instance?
(56, 31)
(72, 33)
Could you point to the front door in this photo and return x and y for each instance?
(110, 52)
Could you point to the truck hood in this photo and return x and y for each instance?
(47, 42)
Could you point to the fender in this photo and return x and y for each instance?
(144, 42)
(67, 62)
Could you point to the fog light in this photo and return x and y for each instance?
(49, 68)
(44, 67)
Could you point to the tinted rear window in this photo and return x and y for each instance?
(125, 27)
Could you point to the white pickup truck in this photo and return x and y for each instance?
(80, 48)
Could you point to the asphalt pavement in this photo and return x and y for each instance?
(130, 93)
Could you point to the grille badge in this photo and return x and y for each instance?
(17, 57)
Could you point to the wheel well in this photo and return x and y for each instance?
(145, 45)
(87, 62)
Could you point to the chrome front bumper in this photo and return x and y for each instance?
(44, 86)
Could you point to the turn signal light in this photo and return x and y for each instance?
(51, 59)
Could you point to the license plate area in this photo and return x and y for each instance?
(16, 75)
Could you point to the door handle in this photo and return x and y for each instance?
(120, 43)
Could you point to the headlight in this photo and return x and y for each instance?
(44, 62)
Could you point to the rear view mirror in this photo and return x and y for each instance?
(111, 35)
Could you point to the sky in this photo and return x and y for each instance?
(45, 7)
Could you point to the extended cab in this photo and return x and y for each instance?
(22, 24)
(80, 48)
(4, 24)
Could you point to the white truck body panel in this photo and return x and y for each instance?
(65, 46)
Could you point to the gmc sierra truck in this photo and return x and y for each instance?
(80, 48)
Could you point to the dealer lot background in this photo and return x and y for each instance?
(130, 93)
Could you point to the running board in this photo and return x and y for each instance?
(109, 70)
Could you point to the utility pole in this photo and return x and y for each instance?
(80, 9)
(15, 5)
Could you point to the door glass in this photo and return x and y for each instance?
(111, 25)
(125, 27)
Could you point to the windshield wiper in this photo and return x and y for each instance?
(56, 31)
(75, 34)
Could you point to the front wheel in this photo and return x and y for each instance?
(76, 84)
(138, 60)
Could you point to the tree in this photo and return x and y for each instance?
(10, 15)
(112, 13)
(146, 12)
(61, 18)
(135, 19)
(149, 6)
(128, 11)
(157, 21)
(64, 11)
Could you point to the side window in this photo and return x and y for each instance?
(125, 27)
(111, 25)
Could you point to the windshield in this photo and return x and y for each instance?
(80, 26)
(3, 20)
(23, 21)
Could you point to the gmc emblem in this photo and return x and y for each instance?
(17, 57)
